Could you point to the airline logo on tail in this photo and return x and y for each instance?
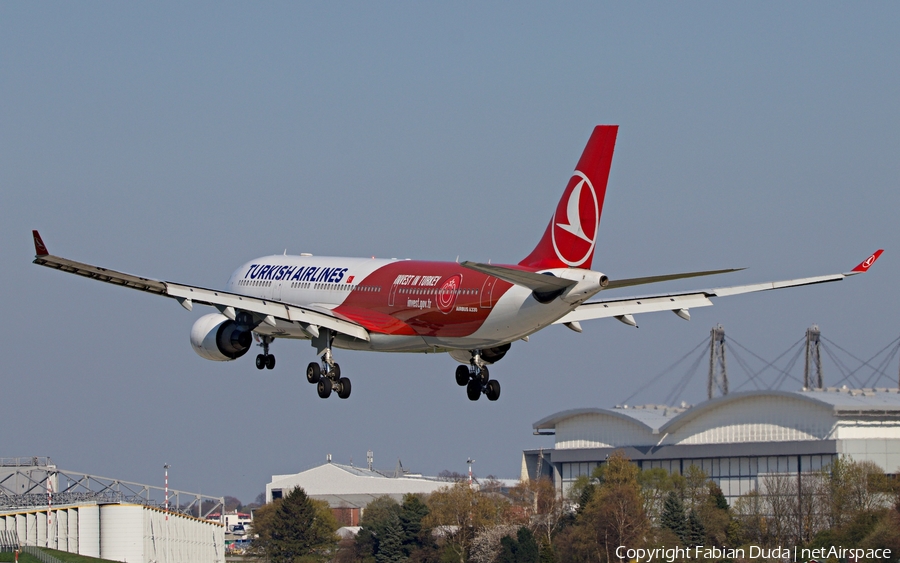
(571, 236)
(581, 219)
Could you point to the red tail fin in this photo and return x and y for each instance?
(571, 236)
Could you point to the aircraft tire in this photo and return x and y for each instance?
(335, 371)
(483, 375)
(462, 376)
(493, 390)
(324, 388)
(313, 373)
(345, 388)
(473, 390)
(260, 361)
(270, 361)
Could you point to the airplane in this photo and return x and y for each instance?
(472, 311)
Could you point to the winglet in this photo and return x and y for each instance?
(40, 249)
(867, 263)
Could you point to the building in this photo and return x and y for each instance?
(736, 439)
(42, 505)
(349, 489)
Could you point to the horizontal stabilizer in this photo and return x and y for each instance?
(613, 284)
(541, 283)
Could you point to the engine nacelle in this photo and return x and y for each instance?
(495, 354)
(218, 338)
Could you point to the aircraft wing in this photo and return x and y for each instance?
(680, 303)
(271, 312)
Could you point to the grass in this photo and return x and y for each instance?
(23, 558)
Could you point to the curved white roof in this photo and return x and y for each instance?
(749, 416)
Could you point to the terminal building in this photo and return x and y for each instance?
(736, 439)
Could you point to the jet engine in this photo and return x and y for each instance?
(495, 354)
(218, 338)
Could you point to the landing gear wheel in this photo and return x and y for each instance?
(260, 361)
(270, 361)
(493, 390)
(462, 376)
(473, 390)
(313, 373)
(324, 388)
(345, 388)
(335, 372)
(483, 375)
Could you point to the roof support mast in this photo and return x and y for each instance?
(813, 357)
(718, 371)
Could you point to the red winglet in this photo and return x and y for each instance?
(40, 249)
(867, 263)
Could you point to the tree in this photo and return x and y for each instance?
(696, 532)
(695, 488)
(375, 520)
(232, 504)
(390, 543)
(527, 551)
(459, 512)
(295, 528)
(715, 517)
(750, 510)
(673, 517)
(540, 507)
(614, 516)
(521, 549)
(415, 536)
(487, 544)
(454, 476)
(656, 484)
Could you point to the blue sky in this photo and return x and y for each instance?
(177, 141)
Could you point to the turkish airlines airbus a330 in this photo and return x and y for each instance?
(472, 311)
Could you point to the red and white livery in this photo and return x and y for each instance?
(472, 311)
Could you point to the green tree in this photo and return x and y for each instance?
(375, 520)
(715, 517)
(527, 546)
(508, 548)
(696, 532)
(390, 543)
(718, 498)
(656, 484)
(521, 549)
(295, 528)
(673, 517)
(415, 536)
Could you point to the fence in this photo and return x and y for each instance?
(40, 554)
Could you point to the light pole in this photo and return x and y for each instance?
(166, 467)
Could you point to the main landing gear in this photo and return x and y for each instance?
(327, 377)
(476, 379)
(265, 360)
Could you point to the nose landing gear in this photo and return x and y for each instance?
(476, 379)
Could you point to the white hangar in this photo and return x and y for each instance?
(345, 486)
(735, 438)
